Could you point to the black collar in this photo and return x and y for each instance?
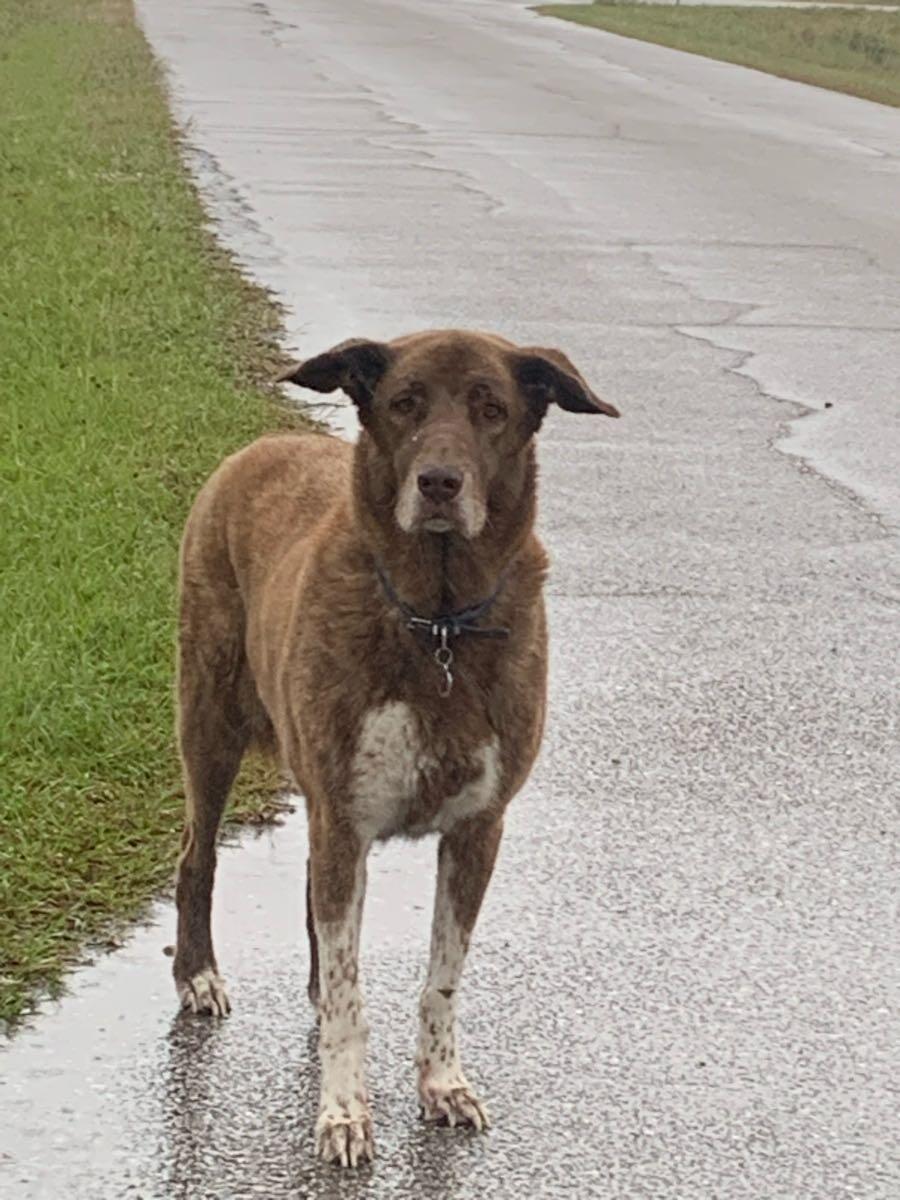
(444, 626)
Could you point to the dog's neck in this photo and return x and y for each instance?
(440, 573)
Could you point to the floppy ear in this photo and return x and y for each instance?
(547, 376)
(354, 366)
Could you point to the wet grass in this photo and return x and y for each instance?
(129, 347)
(849, 51)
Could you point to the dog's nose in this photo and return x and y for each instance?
(440, 483)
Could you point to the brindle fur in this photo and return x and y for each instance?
(287, 639)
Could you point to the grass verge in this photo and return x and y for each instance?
(129, 347)
(849, 51)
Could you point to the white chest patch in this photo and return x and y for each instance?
(390, 767)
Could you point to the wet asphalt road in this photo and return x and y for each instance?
(685, 980)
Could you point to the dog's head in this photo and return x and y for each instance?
(448, 411)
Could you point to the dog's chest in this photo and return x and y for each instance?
(404, 783)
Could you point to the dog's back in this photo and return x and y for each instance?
(262, 501)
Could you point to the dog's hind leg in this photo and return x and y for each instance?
(313, 988)
(214, 731)
(466, 859)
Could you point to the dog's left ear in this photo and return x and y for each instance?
(354, 366)
(547, 376)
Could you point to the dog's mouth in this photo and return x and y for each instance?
(466, 519)
(438, 525)
(437, 518)
(414, 515)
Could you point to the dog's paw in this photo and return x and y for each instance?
(452, 1102)
(345, 1137)
(205, 993)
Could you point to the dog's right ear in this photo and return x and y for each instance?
(355, 366)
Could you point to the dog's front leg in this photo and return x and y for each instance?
(465, 861)
(338, 875)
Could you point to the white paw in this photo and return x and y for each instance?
(205, 993)
(345, 1136)
(452, 1102)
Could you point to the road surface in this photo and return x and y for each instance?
(685, 981)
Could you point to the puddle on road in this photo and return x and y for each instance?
(111, 1077)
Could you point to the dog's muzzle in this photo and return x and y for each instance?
(440, 499)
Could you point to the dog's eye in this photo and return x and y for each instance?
(403, 405)
(493, 411)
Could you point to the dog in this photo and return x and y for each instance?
(374, 613)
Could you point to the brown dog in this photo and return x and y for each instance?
(376, 613)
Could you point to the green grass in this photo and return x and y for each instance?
(127, 356)
(847, 51)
